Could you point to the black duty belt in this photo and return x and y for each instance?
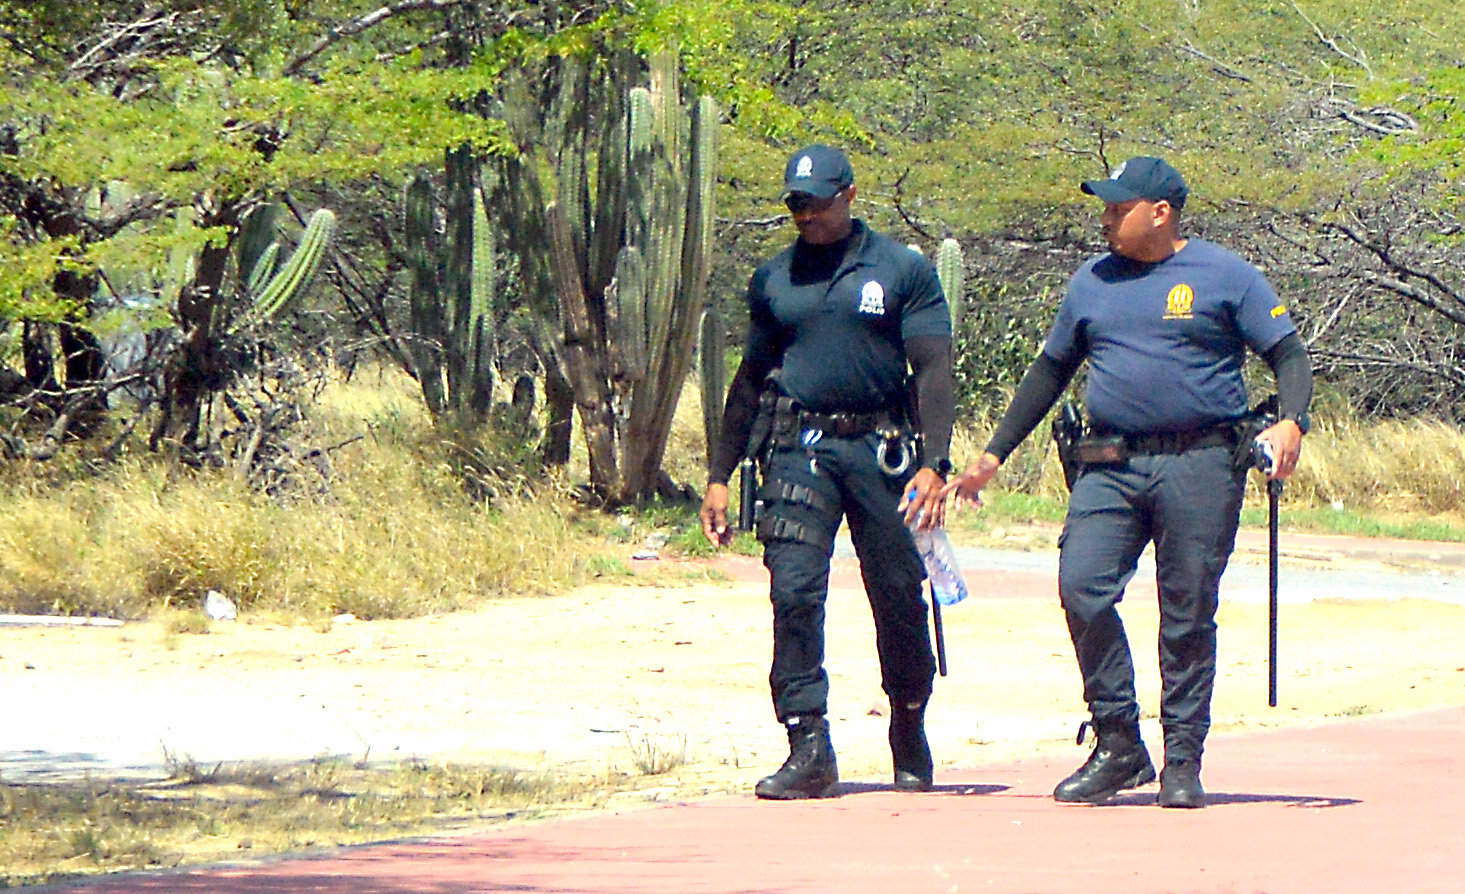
(1181, 441)
(790, 416)
(844, 425)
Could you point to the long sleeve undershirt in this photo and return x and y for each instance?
(1046, 378)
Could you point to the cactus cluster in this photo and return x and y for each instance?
(452, 281)
(658, 309)
(615, 255)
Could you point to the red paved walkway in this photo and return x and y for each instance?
(1369, 805)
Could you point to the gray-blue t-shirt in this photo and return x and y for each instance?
(1165, 342)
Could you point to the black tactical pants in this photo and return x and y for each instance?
(801, 513)
(1189, 505)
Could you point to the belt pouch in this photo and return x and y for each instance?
(1102, 450)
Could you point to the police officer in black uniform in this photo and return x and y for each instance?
(1164, 323)
(841, 323)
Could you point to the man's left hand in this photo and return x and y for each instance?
(1285, 439)
(923, 500)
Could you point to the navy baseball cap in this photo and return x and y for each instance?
(1141, 177)
(819, 170)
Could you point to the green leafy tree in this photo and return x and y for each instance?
(187, 109)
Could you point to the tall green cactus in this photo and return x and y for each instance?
(292, 278)
(670, 171)
(711, 351)
(452, 286)
(424, 307)
(258, 233)
(952, 275)
(614, 253)
(269, 290)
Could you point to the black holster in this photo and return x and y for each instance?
(1068, 430)
(1257, 420)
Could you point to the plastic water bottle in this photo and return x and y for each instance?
(940, 560)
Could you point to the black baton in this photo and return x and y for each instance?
(1274, 493)
(747, 495)
(940, 633)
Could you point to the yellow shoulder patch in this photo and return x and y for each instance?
(1279, 310)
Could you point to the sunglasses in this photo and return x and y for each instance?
(801, 202)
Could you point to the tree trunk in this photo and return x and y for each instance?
(559, 410)
(198, 368)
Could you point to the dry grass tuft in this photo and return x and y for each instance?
(1413, 465)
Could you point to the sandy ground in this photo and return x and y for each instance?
(614, 675)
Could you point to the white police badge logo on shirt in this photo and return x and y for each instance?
(805, 168)
(872, 299)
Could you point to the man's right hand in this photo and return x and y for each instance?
(714, 515)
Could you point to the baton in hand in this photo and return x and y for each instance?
(1263, 460)
(1274, 493)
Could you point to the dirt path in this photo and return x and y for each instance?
(612, 676)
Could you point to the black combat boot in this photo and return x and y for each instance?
(810, 771)
(1180, 784)
(909, 749)
(1119, 761)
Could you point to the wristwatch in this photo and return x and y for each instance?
(942, 467)
(1300, 419)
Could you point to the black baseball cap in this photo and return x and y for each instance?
(819, 170)
(1141, 177)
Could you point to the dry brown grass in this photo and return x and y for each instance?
(395, 534)
(53, 831)
(1414, 465)
(1407, 475)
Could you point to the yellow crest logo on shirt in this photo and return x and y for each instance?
(1177, 305)
(1279, 310)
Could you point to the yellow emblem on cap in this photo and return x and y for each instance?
(1178, 304)
(1279, 310)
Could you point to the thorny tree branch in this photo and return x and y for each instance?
(900, 208)
(78, 401)
(118, 51)
(1380, 250)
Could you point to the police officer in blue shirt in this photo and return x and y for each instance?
(841, 323)
(1164, 323)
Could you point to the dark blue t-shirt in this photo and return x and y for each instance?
(1165, 342)
(842, 337)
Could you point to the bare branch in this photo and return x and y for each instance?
(1389, 361)
(1381, 251)
(900, 208)
(1379, 119)
(88, 61)
(362, 23)
(1418, 296)
(1360, 60)
(766, 223)
(389, 55)
(1219, 67)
